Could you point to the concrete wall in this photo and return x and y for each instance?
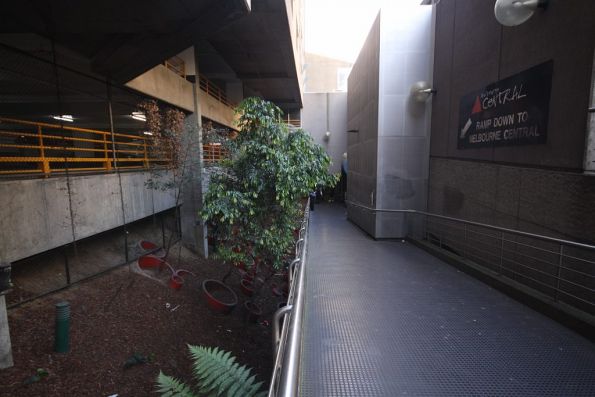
(538, 188)
(327, 111)
(403, 124)
(322, 73)
(473, 50)
(36, 213)
(165, 85)
(554, 203)
(362, 119)
(388, 156)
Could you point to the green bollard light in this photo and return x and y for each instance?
(62, 336)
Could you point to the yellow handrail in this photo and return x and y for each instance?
(211, 89)
(35, 151)
(176, 65)
(213, 152)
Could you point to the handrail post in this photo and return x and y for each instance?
(559, 272)
(107, 161)
(291, 267)
(501, 252)
(297, 246)
(146, 159)
(465, 241)
(45, 164)
(277, 325)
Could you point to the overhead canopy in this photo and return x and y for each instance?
(123, 39)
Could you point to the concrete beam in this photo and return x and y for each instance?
(167, 86)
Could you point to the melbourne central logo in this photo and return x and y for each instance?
(510, 111)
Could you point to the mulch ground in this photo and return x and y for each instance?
(122, 313)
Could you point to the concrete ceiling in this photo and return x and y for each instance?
(259, 49)
(123, 39)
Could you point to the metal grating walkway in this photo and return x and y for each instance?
(384, 318)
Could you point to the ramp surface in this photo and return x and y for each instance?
(384, 318)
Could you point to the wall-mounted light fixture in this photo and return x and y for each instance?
(515, 12)
(327, 136)
(421, 91)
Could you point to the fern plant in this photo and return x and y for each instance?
(217, 373)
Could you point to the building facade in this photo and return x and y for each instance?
(75, 149)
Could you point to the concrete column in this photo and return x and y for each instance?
(194, 231)
(5, 346)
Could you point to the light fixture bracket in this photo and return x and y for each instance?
(421, 91)
(516, 12)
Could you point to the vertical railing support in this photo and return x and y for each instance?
(465, 240)
(107, 163)
(45, 164)
(146, 155)
(501, 252)
(559, 272)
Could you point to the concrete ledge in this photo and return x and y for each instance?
(38, 214)
(567, 315)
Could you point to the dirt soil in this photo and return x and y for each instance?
(122, 313)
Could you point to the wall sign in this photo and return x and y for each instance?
(513, 111)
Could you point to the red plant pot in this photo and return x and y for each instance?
(220, 298)
(150, 262)
(147, 245)
(176, 282)
(253, 311)
(247, 287)
(248, 277)
(240, 265)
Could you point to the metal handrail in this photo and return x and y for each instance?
(484, 225)
(176, 65)
(213, 90)
(214, 152)
(562, 278)
(41, 150)
(287, 340)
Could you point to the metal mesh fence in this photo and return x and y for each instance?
(562, 272)
(60, 127)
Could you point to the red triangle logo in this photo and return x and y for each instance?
(476, 106)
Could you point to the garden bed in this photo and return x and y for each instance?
(122, 313)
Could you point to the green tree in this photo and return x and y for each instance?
(253, 199)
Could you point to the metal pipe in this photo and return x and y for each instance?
(287, 347)
(297, 246)
(291, 268)
(277, 325)
(498, 228)
(290, 369)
